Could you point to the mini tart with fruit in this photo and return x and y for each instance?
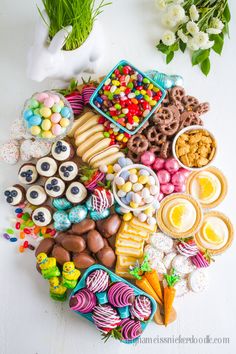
(208, 186)
(179, 215)
(216, 233)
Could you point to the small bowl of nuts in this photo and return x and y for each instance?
(194, 147)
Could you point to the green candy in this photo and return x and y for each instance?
(33, 103)
(9, 231)
(25, 217)
(130, 85)
(106, 134)
(146, 81)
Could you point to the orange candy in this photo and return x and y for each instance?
(22, 235)
(21, 249)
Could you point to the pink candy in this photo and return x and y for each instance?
(163, 176)
(167, 188)
(41, 96)
(178, 178)
(49, 102)
(55, 117)
(148, 158)
(56, 129)
(172, 165)
(158, 164)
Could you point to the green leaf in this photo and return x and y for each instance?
(227, 14)
(218, 45)
(199, 56)
(182, 46)
(163, 48)
(206, 66)
(226, 29)
(174, 47)
(169, 57)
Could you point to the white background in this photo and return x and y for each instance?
(30, 322)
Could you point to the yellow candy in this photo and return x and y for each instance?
(110, 169)
(35, 130)
(45, 112)
(136, 119)
(155, 89)
(61, 103)
(133, 171)
(133, 205)
(120, 137)
(127, 216)
(116, 82)
(115, 133)
(153, 103)
(110, 131)
(122, 88)
(150, 87)
(125, 139)
(47, 134)
(149, 210)
(127, 187)
(143, 179)
(64, 122)
(143, 92)
(46, 124)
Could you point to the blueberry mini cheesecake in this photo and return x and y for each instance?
(54, 187)
(15, 195)
(28, 174)
(36, 195)
(42, 216)
(46, 166)
(68, 171)
(76, 192)
(62, 151)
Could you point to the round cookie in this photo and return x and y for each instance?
(15, 195)
(54, 187)
(197, 280)
(62, 151)
(42, 216)
(68, 171)
(28, 174)
(36, 195)
(76, 192)
(182, 265)
(46, 167)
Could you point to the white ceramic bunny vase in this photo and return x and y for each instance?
(49, 60)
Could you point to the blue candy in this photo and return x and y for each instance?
(13, 239)
(124, 201)
(143, 172)
(129, 162)
(18, 210)
(65, 112)
(61, 221)
(122, 162)
(95, 215)
(125, 175)
(78, 214)
(27, 114)
(35, 120)
(61, 204)
(99, 99)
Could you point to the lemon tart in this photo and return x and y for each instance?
(179, 215)
(209, 186)
(216, 233)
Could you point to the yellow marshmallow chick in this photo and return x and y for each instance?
(57, 290)
(70, 275)
(48, 266)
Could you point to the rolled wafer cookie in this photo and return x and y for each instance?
(109, 160)
(80, 121)
(100, 146)
(94, 139)
(112, 149)
(82, 137)
(91, 122)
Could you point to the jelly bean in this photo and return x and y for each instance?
(21, 249)
(13, 239)
(18, 210)
(36, 230)
(31, 247)
(27, 231)
(30, 223)
(44, 230)
(19, 216)
(17, 226)
(6, 236)
(22, 235)
(10, 231)
(53, 232)
(25, 216)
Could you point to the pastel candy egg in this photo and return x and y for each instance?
(41, 96)
(154, 190)
(151, 181)
(35, 130)
(129, 197)
(122, 161)
(149, 210)
(95, 215)
(119, 181)
(125, 175)
(27, 114)
(143, 179)
(145, 193)
(33, 103)
(61, 103)
(103, 168)
(127, 187)
(65, 112)
(124, 201)
(151, 220)
(142, 217)
(116, 167)
(45, 112)
(137, 187)
(56, 129)
(129, 162)
(37, 111)
(64, 122)
(49, 102)
(55, 97)
(127, 216)
(35, 120)
(47, 134)
(109, 177)
(55, 117)
(46, 124)
(149, 200)
(143, 172)
(121, 193)
(133, 178)
(136, 198)
(56, 108)
(133, 171)
(133, 205)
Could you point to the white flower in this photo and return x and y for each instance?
(168, 38)
(213, 31)
(192, 28)
(216, 23)
(160, 4)
(167, 21)
(176, 12)
(201, 39)
(185, 19)
(192, 45)
(193, 12)
(208, 45)
(178, 1)
(182, 36)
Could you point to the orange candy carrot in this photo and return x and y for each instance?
(145, 286)
(169, 294)
(153, 279)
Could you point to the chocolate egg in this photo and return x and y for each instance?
(83, 260)
(73, 243)
(60, 254)
(84, 226)
(110, 226)
(107, 257)
(60, 236)
(45, 246)
(95, 241)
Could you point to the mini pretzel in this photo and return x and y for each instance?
(188, 118)
(154, 148)
(133, 156)
(177, 93)
(145, 126)
(175, 112)
(190, 102)
(202, 108)
(163, 116)
(138, 143)
(169, 129)
(154, 136)
(165, 150)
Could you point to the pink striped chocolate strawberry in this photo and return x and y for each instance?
(76, 101)
(107, 320)
(87, 91)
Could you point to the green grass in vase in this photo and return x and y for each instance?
(80, 14)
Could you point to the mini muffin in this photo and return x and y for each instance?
(62, 151)
(68, 171)
(15, 195)
(28, 173)
(36, 195)
(54, 187)
(46, 166)
(76, 192)
(42, 216)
